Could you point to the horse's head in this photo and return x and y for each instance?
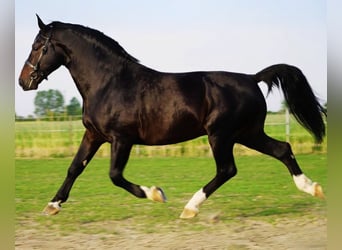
(45, 57)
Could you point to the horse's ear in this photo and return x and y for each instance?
(41, 25)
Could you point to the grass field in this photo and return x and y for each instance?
(262, 190)
(46, 139)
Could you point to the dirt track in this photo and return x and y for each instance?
(303, 233)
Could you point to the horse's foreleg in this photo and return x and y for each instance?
(225, 170)
(86, 151)
(282, 151)
(119, 156)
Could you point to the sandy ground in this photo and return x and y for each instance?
(284, 233)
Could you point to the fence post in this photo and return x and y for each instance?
(287, 124)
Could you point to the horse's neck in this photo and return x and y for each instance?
(87, 70)
(90, 73)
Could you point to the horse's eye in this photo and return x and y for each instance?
(34, 47)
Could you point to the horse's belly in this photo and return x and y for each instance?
(171, 135)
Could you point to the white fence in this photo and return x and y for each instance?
(61, 138)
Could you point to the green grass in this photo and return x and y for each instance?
(262, 190)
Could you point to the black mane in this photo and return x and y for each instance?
(99, 37)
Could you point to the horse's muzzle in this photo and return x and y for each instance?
(31, 84)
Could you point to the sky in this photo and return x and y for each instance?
(177, 36)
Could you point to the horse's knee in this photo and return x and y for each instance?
(227, 173)
(75, 170)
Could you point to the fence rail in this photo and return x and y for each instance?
(61, 138)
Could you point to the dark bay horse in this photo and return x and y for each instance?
(126, 103)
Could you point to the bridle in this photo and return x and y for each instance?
(34, 74)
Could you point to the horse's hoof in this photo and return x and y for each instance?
(157, 194)
(52, 208)
(188, 213)
(319, 191)
(154, 193)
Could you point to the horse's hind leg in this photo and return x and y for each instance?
(86, 151)
(225, 169)
(119, 156)
(282, 151)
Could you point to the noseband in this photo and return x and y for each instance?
(34, 74)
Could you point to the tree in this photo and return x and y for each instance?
(74, 107)
(49, 103)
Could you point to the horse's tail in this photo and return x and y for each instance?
(298, 94)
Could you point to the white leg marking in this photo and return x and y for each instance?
(197, 199)
(191, 209)
(303, 183)
(84, 163)
(147, 191)
(55, 205)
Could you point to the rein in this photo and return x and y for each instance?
(34, 74)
